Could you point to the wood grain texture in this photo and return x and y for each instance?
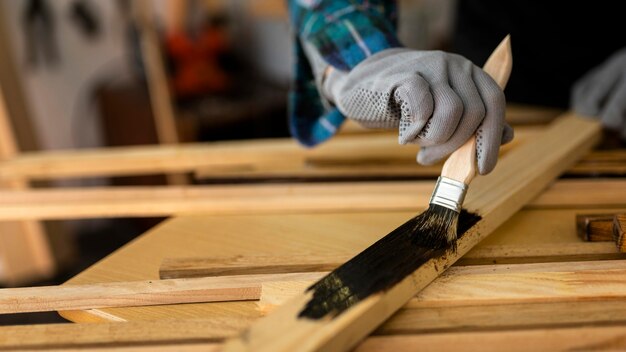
(470, 285)
(136, 294)
(100, 202)
(595, 227)
(177, 268)
(564, 339)
(498, 285)
(530, 235)
(407, 321)
(496, 197)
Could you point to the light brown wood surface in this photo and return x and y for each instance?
(161, 99)
(272, 198)
(530, 235)
(139, 293)
(235, 158)
(406, 321)
(498, 285)
(25, 254)
(460, 286)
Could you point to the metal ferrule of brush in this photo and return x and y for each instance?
(449, 193)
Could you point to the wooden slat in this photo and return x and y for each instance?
(517, 179)
(156, 77)
(24, 251)
(254, 199)
(178, 268)
(407, 321)
(136, 294)
(610, 337)
(498, 285)
(460, 286)
(565, 339)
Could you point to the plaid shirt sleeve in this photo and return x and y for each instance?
(344, 32)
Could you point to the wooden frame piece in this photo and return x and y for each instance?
(24, 250)
(103, 202)
(459, 286)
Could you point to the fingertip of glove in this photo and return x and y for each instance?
(426, 158)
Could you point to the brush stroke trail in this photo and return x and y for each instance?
(377, 268)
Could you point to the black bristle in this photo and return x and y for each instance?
(388, 261)
(437, 227)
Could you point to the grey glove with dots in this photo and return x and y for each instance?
(602, 93)
(436, 99)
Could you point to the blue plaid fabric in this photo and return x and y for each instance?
(345, 32)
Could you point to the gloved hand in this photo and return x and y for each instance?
(602, 93)
(438, 100)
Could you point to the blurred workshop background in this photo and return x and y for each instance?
(99, 73)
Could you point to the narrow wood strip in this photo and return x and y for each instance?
(242, 199)
(498, 284)
(138, 293)
(406, 321)
(564, 339)
(493, 284)
(173, 268)
(538, 253)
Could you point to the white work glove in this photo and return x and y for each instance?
(438, 100)
(602, 93)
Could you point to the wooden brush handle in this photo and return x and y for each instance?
(461, 165)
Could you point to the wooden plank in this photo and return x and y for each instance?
(406, 321)
(99, 202)
(119, 161)
(611, 337)
(460, 286)
(497, 285)
(178, 268)
(156, 77)
(564, 339)
(136, 294)
(308, 234)
(517, 179)
(24, 251)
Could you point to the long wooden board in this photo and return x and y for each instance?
(469, 285)
(178, 268)
(138, 293)
(199, 336)
(52, 204)
(517, 179)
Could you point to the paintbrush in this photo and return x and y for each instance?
(438, 224)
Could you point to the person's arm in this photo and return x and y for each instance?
(602, 93)
(340, 33)
(436, 99)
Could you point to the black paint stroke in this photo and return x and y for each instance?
(378, 268)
